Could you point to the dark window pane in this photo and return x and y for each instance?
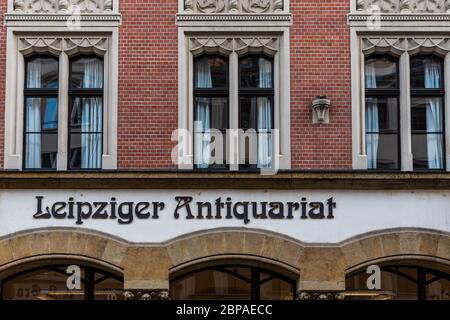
(41, 285)
(86, 114)
(211, 112)
(41, 150)
(426, 72)
(87, 73)
(428, 151)
(255, 113)
(276, 289)
(210, 72)
(42, 72)
(85, 151)
(256, 73)
(427, 114)
(380, 73)
(108, 289)
(381, 114)
(41, 114)
(438, 290)
(385, 147)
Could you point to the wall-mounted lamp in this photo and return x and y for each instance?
(321, 110)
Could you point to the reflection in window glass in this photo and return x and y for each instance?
(381, 72)
(232, 283)
(50, 283)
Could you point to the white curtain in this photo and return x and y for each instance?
(265, 73)
(203, 111)
(372, 125)
(202, 137)
(91, 119)
(204, 79)
(433, 115)
(264, 115)
(33, 152)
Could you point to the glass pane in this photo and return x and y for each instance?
(41, 114)
(384, 147)
(41, 150)
(86, 114)
(108, 289)
(381, 114)
(256, 73)
(42, 72)
(381, 73)
(41, 285)
(393, 287)
(211, 112)
(87, 72)
(256, 113)
(427, 114)
(428, 151)
(209, 284)
(438, 290)
(276, 289)
(426, 72)
(210, 72)
(85, 151)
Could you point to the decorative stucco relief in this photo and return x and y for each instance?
(398, 45)
(240, 45)
(62, 6)
(403, 6)
(54, 45)
(233, 6)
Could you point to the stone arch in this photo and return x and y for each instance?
(393, 245)
(252, 245)
(39, 246)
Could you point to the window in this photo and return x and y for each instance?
(210, 110)
(382, 113)
(401, 282)
(41, 113)
(50, 283)
(427, 112)
(256, 108)
(232, 282)
(86, 113)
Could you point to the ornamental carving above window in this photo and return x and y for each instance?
(233, 6)
(62, 6)
(403, 6)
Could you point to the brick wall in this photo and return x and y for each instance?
(147, 83)
(320, 65)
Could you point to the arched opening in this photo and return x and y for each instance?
(68, 280)
(232, 280)
(401, 280)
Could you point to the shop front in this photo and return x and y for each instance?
(70, 236)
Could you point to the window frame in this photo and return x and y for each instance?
(386, 93)
(256, 93)
(431, 92)
(74, 93)
(88, 281)
(38, 93)
(255, 284)
(212, 93)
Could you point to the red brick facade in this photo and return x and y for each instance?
(320, 65)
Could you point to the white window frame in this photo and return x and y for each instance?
(22, 26)
(236, 26)
(401, 35)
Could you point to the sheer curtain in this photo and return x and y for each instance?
(372, 124)
(203, 111)
(91, 119)
(433, 115)
(264, 116)
(33, 154)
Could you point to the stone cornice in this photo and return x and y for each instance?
(228, 180)
(235, 17)
(60, 17)
(352, 17)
